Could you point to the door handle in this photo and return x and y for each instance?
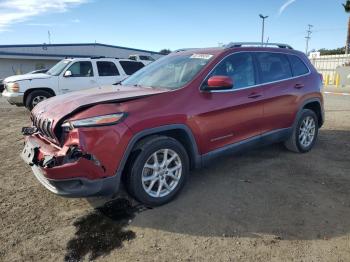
(254, 95)
(298, 86)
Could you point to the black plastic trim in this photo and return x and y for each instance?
(194, 149)
(308, 101)
(256, 141)
(78, 187)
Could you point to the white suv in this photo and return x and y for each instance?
(146, 59)
(68, 75)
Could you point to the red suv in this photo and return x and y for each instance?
(174, 115)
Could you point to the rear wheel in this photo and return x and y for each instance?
(304, 133)
(159, 171)
(35, 97)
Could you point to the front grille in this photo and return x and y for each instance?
(44, 126)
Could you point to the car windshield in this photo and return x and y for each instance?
(170, 72)
(58, 68)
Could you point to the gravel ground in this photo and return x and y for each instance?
(264, 205)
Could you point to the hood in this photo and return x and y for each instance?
(60, 106)
(25, 77)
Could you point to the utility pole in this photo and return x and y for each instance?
(263, 28)
(308, 37)
(49, 36)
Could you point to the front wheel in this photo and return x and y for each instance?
(305, 133)
(159, 171)
(35, 97)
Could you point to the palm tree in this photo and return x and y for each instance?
(347, 10)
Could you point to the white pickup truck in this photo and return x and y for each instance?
(68, 75)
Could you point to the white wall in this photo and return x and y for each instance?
(9, 67)
(327, 65)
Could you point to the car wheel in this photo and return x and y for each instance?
(158, 172)
(304, 133)
(36, 97)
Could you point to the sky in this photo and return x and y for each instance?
(157, 24)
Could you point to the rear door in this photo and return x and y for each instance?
(231, 116)
(277, 82)
(82, 77)
(108, 73)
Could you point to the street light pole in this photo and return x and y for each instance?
(263, 28)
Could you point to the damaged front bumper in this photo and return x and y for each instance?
(68, 172)
(77, 187)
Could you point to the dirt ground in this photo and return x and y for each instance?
(265, 205)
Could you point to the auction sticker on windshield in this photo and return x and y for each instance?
(201, 56)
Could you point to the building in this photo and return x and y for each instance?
(20, 59)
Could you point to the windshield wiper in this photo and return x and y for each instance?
(117, 83)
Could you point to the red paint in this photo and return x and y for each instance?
(215, 119)
(220, 82)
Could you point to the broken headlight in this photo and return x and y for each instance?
(94, 121)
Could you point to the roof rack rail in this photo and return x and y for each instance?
(240, 44)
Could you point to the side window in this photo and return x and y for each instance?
(298, 66)
(106, 68)
(273, 67)
(131, 67)
(146, 58)
(240, 67)
(81, 69)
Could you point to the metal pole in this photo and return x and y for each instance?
(263, 28)
(308, 37)
(262, 34)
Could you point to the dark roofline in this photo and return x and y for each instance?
(43, 55)
(83, 44)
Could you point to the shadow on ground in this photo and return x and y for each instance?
(267, 191)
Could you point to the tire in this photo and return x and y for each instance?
(294, 143)
(144, 167)
(33, 98)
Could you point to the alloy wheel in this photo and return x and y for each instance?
(307, 131)
(161, 173)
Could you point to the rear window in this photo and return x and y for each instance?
(130, 67)
(273, 67)
(106, 68)
(298, 66)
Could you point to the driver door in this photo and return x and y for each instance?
(234, 115)
(82, 77)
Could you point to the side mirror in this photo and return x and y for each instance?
(219, 83)
(68, 73)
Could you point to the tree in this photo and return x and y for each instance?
(337, 51)
(347, 10)
(165, 51)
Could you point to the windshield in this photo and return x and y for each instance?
(58, 68)
(171, 72)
